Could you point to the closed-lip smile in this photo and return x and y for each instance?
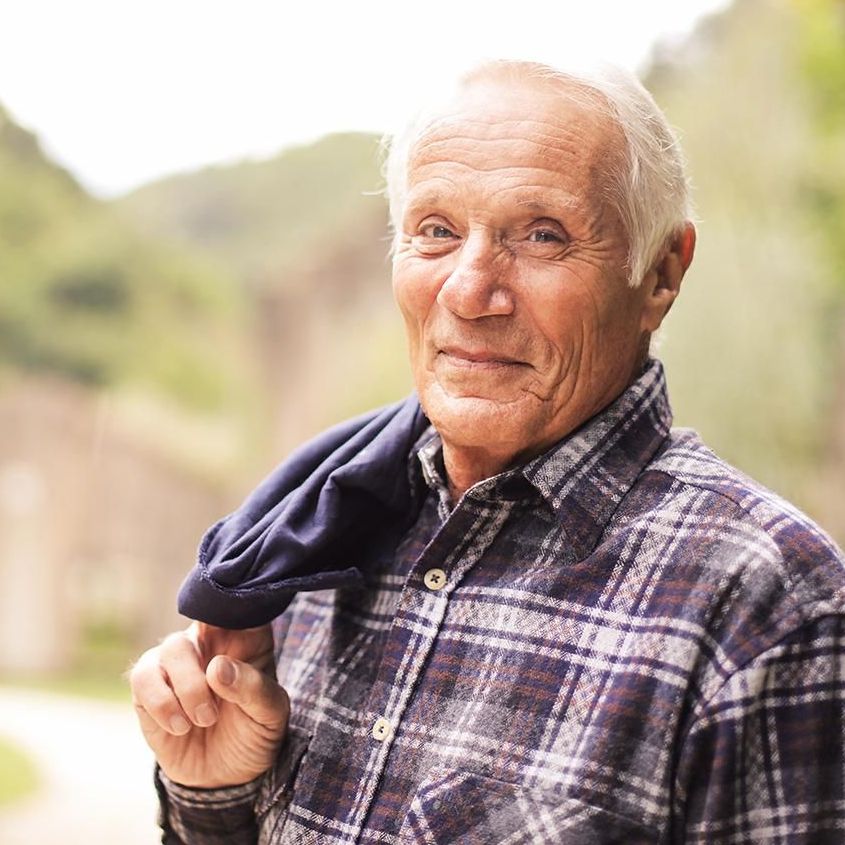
(477, 357)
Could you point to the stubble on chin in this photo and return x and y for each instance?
(479, 420)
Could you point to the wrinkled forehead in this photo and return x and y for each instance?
(565, 123)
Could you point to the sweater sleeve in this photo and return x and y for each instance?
(765, 758)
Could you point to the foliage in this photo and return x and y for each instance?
(822, 41)
(180, 285)
(89, 683)
(821, 35)
(85, 297)
(267, 220)
(749, 345)
(18, 775)
(97, 668)
(305, 233)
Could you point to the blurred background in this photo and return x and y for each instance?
(193, 279)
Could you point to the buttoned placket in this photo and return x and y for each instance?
(456, 548)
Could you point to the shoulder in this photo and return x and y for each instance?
(753, 570)
(767, 524)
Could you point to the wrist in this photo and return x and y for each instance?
(191, 790)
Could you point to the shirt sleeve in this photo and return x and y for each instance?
(765, 758)
(191, 816)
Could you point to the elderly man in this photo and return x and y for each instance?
(526, 611)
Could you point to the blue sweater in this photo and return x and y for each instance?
(330, 501)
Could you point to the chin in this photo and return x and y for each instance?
(478, 421)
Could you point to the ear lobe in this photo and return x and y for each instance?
(664, 281)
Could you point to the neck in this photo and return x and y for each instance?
(468, 466)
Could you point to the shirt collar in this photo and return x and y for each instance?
(586, 475)
(427, 459)
(583, 477)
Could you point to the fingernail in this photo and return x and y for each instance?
(206, 715)
(179, 725)
(227, 673)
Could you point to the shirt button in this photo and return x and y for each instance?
(435, 579)
(382, 730)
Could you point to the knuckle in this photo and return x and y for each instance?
(160, 707)
(192, 693)
(175, 643)
(144, 672)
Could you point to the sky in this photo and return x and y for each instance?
(121, 92)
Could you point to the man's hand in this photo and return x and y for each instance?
(209, 704)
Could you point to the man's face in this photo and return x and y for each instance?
(509, 270)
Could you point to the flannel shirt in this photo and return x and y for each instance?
(625, 640)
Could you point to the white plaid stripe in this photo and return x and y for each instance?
(594, 647)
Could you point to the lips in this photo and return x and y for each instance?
(477, 357)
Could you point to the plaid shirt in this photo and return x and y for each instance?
(623, 641)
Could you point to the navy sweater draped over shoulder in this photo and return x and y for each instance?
(319, 507)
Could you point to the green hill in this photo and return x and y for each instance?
(84, 297)
(751, 346)
(305, 234)
(267, 220)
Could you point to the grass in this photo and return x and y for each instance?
(96, 671)
(18, 775)
(101, 686)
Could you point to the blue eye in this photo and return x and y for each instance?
(544, 236)
(435, 239)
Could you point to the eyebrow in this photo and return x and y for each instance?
(567, 202)
(421, 200)
(562, 201)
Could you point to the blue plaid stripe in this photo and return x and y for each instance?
(635, 643)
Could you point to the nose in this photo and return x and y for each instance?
(476, 287)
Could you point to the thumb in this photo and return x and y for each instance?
(256, 693)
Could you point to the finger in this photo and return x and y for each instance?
(181, 664)
(256, 693)
(252, 645)
(152, 695)
(149, 727)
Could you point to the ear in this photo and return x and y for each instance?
(662, 283)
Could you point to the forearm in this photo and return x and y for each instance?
(207, 816)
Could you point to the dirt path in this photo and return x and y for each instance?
(95, 772)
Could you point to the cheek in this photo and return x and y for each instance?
(414, 302)
(575, 303)
(415, 291)
(571, 325)
(560, 317)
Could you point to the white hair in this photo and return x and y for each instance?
(650, 191)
